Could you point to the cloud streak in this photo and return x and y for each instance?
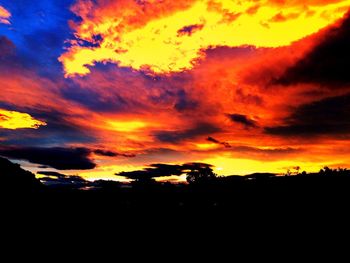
(329, 116)
(56, 157)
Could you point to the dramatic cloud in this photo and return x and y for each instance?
(163, 170)
(170, 36)
(327, 64)
(329, 116)
(54, 179)
(72, 182)
(16, 120)
(58, 158)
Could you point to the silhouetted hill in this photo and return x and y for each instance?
(14, 179)
(261, 191)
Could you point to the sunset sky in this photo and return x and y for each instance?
(97, 87)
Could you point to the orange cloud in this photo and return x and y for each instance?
(17, 120)
(229, 81)
(169, 117)
(165, 37)
(4, 15)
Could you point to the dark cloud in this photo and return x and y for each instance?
(55, 179)
(56, 157)
(162, 170)
(226, 144)
(330, 116)
(72, 182)
(242, 119)
(327, 64)
(189, 30)
(105, 153)
(111, 153)
(92, 100)
(176, 136)
(155, 170)
(52, 174)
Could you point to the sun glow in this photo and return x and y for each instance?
(206, 146)
(126, 126)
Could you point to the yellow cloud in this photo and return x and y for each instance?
(4, 15)
(175, 41)
(16, 120)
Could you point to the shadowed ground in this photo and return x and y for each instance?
(328, 189)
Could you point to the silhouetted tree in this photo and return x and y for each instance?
(331, 172)
(200, 173)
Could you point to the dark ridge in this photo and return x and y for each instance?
(14, 179)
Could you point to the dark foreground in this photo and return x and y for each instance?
(253, 211)
(259, 194)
